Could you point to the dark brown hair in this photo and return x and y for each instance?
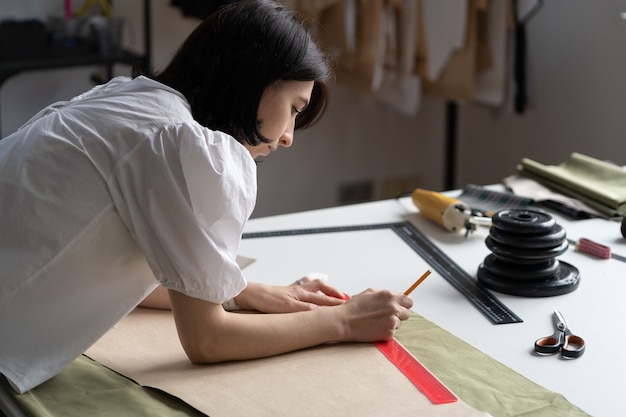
(228, 61)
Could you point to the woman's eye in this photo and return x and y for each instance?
(295, 111)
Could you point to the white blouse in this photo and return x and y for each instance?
(98, 197)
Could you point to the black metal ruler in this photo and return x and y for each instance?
(480, 297)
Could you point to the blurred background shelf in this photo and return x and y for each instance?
(36, 53)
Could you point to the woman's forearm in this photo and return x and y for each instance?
(210, 334)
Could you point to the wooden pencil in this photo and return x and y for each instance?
(418, 282)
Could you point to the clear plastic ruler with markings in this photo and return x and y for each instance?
(480, 297)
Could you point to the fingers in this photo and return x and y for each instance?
(318, 293)
(316, 282)
(403, 314)
(311, 276)
(394, 306)
(376, 314)
(320, 298)
(404, 305)
(318, 285)
(391, 297)
(406, 302)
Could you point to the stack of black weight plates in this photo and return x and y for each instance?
(524, 245)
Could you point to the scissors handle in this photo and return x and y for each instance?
(573, 346)
(550, 344)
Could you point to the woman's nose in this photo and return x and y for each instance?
(286, 140)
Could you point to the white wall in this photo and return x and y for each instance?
(577, 76)
(577, 73)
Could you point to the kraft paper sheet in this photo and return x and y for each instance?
(334, 379)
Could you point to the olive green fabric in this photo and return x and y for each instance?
(597, 183)
(86, 388)
(482, 382)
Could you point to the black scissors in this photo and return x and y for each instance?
(570, 345)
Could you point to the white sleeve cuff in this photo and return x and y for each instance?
(231, 305)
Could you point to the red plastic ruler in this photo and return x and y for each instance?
(417, 373)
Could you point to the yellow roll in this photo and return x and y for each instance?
(447, 212)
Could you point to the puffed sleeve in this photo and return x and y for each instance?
(185, 193)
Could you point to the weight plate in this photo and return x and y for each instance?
(565, 281)
(523, 221)
(553, 238)
(512, 271)
(522, 254)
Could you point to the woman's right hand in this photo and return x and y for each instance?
(374, 315)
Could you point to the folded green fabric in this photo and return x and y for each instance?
(86, 388)
(599, 184)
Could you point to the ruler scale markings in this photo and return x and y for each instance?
(318, 230)
(457, 277)
(481, 298)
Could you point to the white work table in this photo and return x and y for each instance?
(379, 259)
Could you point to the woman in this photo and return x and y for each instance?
(154, 177)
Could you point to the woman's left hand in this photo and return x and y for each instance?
(304, 294)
